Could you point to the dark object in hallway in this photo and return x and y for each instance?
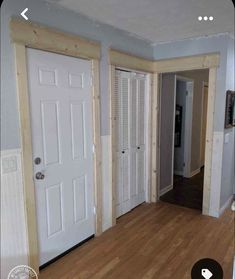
(178, 125)
(187, 192)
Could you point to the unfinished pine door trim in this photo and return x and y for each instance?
(25, 35)
(211, 62)
(187, 63)
(125, 60)
(204, 84)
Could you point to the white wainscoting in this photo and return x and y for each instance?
(107, 183)
(14, 244)
(216, 173)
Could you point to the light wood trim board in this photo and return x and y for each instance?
(27, 162)
(129, 61)
(98, 148)
(209, 140)
(154, 137)
(45, 38)
(113, 141)
(189, 63)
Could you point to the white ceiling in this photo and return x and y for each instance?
(158, 20)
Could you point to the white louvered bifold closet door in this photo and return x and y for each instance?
(129, 109)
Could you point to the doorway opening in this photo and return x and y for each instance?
(183, 118)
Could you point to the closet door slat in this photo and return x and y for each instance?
(125, 92)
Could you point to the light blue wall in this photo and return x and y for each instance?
(224, 45)
(64, 20)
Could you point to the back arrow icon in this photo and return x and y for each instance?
(23, 14)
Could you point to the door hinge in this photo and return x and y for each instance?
(93, 148)
(94, 210)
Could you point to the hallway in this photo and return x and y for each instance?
(187, 192)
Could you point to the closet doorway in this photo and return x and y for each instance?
(130, 101)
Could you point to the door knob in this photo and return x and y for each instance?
(37, 161)
(123, 152)
(39, 175)
(138, 147)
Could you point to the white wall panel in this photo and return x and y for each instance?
(14, 247)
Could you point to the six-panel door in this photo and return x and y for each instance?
(61, 122)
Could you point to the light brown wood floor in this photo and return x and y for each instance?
(153, 241)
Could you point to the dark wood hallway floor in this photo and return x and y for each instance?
(186, 192)
(154, 241)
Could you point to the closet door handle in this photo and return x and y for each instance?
(138, 147)
(123, 152)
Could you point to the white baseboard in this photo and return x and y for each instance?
(226, 205)
(165, 190)
(195, 172)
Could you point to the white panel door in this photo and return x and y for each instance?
(61, 120)
(130, 94)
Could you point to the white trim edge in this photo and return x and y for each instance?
(165, 190)
(195, 172)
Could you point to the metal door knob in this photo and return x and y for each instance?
(37, 161)
(39, 175)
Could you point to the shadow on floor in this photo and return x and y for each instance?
(187, 192)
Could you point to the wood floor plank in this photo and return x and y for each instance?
(154, 241)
